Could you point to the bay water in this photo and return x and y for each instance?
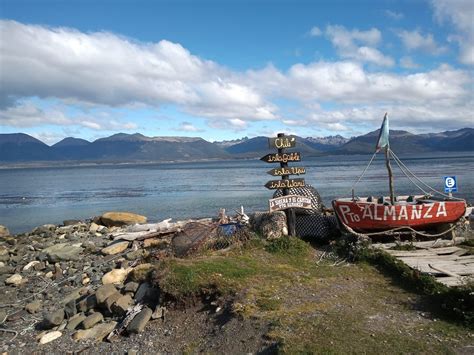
(34, 196)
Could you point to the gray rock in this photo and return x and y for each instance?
(62, 252)
(4, 254)
(6, 270)
(147, 293)
(97, 333)
(92, 320)
(33, 307)
(71, 222)
(133, 255)
(121, 305)
(138, 324)
(111, 300)
(14, 280)
(159, 312)
(131, 287)
(54, 319)
(88, 303)
(70, 309)
(74, 295)
(75, 321)
(103, 292)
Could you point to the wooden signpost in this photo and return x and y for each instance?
(286, 202)
(290, 201)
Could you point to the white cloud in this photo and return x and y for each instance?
(188, 127)
(459, 13)
(315, 32)
(415, 40)
(234, 124)
(358, 45)
(102, 71)
(408, 63)
(394, 15)
(102, 68)
(27, 114)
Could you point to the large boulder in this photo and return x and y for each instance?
(62, 252)
(118, 219)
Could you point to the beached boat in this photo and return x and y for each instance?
(369, 214)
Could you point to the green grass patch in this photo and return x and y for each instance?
(316, 307)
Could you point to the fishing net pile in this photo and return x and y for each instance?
(311, 223)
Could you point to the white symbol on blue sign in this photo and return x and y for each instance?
(450, 184)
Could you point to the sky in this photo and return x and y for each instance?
(232, 68)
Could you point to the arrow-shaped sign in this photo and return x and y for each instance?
(284, 184)
(293, 170)
(282, 142)
(281, 158)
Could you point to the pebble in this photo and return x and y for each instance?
(30, 265)
(33, 307)
(131, 286)
(14, 280)
(48, 337)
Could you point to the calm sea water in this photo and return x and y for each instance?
(33, 196)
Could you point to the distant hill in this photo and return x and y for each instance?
(258, 146)
(19, 147)
(122, 147)
(119, 147)
(406, 142)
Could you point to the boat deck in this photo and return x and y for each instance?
(449, 264)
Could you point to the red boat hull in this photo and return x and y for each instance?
(370, 216)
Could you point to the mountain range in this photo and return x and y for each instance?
(121, 147)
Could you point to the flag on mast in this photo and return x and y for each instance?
(382, 142)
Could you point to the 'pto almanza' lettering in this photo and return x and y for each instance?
(403, 212)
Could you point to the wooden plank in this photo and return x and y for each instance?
(446, 250)
(281, 157)
(450, 281)
(289, 201)
(443, 270)
(284, 184)
(289, 170)
(282, 142)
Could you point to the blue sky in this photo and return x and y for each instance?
(227, 69)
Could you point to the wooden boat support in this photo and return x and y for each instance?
(449, 265)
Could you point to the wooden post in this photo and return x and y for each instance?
(290, 213)
(390, 175)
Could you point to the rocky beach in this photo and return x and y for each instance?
(98, 285)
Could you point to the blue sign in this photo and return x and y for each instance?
(450, 184)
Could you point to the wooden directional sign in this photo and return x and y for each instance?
(281, 158)
(282, 142)
(284, 184)
(289, 201)
(293, 170)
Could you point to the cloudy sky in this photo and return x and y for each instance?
(233, 68)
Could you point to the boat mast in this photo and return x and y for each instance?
(390, 174)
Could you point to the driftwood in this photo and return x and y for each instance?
(444, 271)
(132, 312)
